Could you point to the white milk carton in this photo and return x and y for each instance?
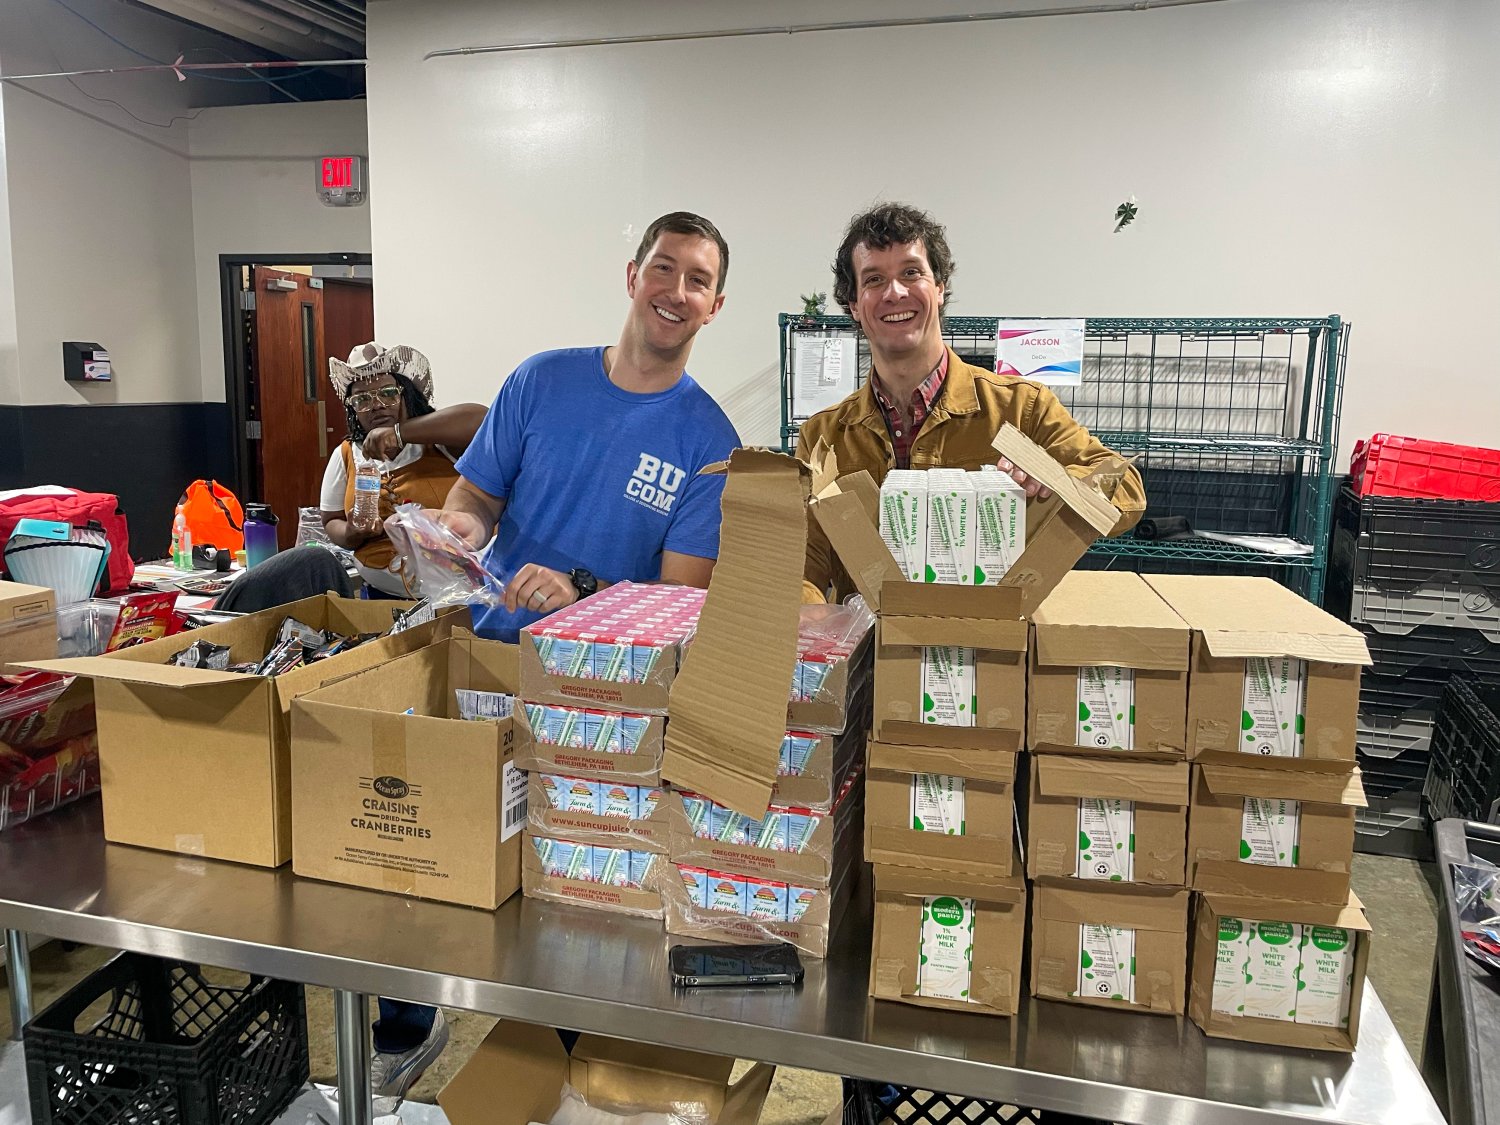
(1106, 839)
(1274, 954)
(999, 525)
(1327, 975)
(1229, 967)
(947, 948)
(1269, 829)
(951, 502)
(1106, 962)
(1275, 701)
(903, 520)
(937, 804)
(1106, 707)
(948, 686)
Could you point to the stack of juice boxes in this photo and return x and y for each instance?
(1280, 942)
(950, 905)
(594, 684)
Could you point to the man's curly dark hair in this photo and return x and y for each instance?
(891, 224)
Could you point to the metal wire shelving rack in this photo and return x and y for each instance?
(1234, 423)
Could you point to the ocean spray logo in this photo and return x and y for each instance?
(654, 484)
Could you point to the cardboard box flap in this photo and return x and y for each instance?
(1317, 780)
(727, 744)
(1147, 649)
(518, 1065)
(678, 1065)
(1348, 914)
(925, 884)
(1129, 905)
(903, 733)
(853, 529)
(1311, 890)
(1082, 496)
(965, 632)
(1125, 778)
(131, 672)
(918, 599)
(746, 1098)
(975, 765)
(1241, 616)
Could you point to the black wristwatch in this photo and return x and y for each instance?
(584, 582)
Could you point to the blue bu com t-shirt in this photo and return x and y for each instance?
(595, 477)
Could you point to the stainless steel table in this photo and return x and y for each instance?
(592, 971)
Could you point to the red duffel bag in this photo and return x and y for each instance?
(68, 505)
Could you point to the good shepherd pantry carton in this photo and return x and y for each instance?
(198, 761)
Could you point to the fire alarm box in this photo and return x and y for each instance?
(340, 180)
(86, 363)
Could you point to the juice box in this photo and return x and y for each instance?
(640, 866)
(611, 866)
(799, 900)
(618, 800)
(766, 900)
(726, 892)
(796, 749)
(695, 879)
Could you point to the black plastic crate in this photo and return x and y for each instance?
(1435, 650)
(1393, 695)
(1402, 543)
(142, 1040)
(1465, 776)
(871, 1103)
(1444, 604)
(1385, 777)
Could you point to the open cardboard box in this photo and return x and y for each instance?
(1159, 917)
(426, 804)
(984, 759)
(1236, 617)
(643, 833)
(643, 901)
(641, 766)
(999, 938)
(1159, 790)
(197, 761)
(1210, 908)
(1110, 618)
(1328, 791)
(517, 1074)
(28, 623)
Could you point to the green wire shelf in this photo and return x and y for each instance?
(1198, 550)
(1133, 440)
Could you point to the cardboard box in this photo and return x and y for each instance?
(28, 623)
(1157, 790)
(1238, 620)
(427, 804)
(826, 761)
(581, 753)
(1327, 793)
(911, 905)
(517, 1074)
(639, 898)
(1100, 619)
(1067, 917)
(983, 846)
(1210, 910)
(833, 669)
(646, 833)
(197, 761)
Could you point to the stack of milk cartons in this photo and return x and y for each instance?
(1280, 941)
(940, 819)
(1108, 795)
(595, 678)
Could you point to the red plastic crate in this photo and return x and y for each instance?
(1388, 465)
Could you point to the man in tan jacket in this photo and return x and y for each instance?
(923, 407)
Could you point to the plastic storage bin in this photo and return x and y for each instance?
(169, 1048)
(870, 1103)
(1464, 780)
(1388, 465)
(1449, 605)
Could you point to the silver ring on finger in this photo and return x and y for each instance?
(535, 594)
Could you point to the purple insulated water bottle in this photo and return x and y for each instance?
(260, 533)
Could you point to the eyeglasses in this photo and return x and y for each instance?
(365, 400)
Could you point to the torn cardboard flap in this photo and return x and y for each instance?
(844, 511)
(985, 765)
(729, 700)
(1348, 913)
(1324, 781)
(934, 736)
(1129, 779)
(130, 672)
(980, 617)
(1085, 497)
(1305, 894)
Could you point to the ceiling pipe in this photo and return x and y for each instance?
(796, 29)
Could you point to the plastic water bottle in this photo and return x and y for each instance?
(366, 515)
(182, 542)
(260, 533)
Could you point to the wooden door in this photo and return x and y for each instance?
(348, 321)
(291, 364)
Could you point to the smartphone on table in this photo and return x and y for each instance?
(707, 966)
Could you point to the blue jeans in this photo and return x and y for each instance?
(402, 1025)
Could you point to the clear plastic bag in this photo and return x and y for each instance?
(437, 564)
(1476, 893)
(310, 528)
(574, 1109)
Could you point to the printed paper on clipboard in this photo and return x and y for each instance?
(1044, 351)
(823, 372)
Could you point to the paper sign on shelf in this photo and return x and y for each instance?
(1046, 351)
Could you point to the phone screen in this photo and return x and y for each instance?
(735, 962)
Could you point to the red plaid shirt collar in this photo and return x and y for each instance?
(902, 435)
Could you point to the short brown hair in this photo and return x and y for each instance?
(685, 222)
(891, 224)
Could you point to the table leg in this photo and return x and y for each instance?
(18, 969)
(351, 1036)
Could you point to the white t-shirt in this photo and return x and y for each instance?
(336, 482)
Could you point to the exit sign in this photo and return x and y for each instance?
(340, 180)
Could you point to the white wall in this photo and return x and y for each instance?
(1291, 157)
(252, 193)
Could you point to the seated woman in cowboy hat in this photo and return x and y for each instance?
(387, 395)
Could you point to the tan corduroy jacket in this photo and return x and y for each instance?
(955, 435)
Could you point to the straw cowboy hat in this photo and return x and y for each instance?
(369, 360)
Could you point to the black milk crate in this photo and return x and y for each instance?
(1386, 777)
(871, 1103)
(1449, 605)
(1393, 695)
(1385, 734)
(142, 1040)
(1465, 778)
(1435, 650)
(1402, 543)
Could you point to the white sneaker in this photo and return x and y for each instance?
(391, 1074)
